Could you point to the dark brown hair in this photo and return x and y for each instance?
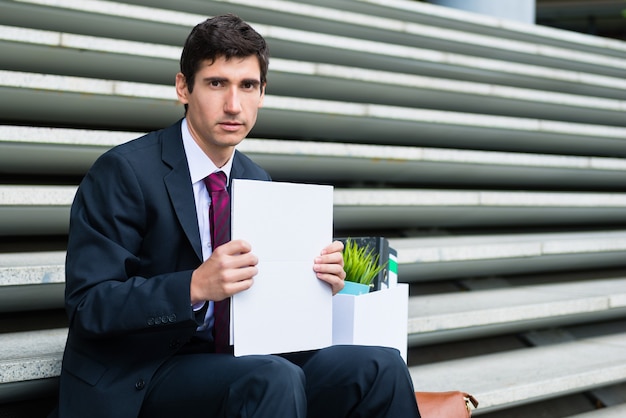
(224, 36)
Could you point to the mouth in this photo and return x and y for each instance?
(231, 125)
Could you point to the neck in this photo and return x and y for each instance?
(221, 159)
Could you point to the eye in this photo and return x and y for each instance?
(249, 85)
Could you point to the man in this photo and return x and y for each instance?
(144, 279)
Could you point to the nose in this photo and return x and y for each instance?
(232, 102)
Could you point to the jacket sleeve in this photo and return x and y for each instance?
(108, 290)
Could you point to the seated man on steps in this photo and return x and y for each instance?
(148, 266)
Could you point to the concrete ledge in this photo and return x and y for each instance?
(41, 150)
(398, 208)
(87, 102)
(456, 316)
(508, 379)
(29, 362)
(486, 25)
(441, 38)
(303, 160)
(19, 269)
(97, 57)
(424, 259)
(405, 12)
(33, 210)
(345, 50)
(62, 99)
(36, 280)
(43, 210)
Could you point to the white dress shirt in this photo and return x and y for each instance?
(200, 166)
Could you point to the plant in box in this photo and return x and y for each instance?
(362, 265)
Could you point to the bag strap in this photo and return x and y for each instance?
(470, 398)
(452, 404)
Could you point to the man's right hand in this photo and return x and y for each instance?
(229, 270)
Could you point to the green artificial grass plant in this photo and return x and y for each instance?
(360, 263)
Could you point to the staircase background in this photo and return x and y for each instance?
(490, 153)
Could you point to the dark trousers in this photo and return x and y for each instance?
(339, 381)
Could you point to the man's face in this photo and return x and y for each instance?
(223, 107)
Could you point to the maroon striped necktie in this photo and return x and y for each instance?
(219, 219)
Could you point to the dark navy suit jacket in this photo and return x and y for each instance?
(133, 245)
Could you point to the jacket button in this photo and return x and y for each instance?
(172, 318)
(140, 384)
(150, 321)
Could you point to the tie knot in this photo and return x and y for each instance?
(216, 182)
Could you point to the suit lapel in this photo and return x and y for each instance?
(237, 170)
(178, 184)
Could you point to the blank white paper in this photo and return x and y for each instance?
(288, 308)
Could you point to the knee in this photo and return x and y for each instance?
(374, 363)
(378, 357)
(286, 370)
(281, 374)
(387, 357)
(274, 387)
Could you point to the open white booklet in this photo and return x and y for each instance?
(287, 308)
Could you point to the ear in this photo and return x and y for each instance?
(181, 88)
(263, 88)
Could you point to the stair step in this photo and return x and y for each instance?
(508, 379)
(43, 210)
(32, 280)
(319, 18)
(475, 314)
(448, 17)
(31, 50)
(62, 99)
(43, 150)
(29, 362)
(151, 24)
(399, 208)
(424, 259)
(497, 380)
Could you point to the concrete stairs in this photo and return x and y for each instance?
(490, 153)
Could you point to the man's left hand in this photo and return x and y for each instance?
(329, 266)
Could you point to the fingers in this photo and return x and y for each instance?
(234, 255)
(229, 270)
(232, 267)
(329, 266)
(236, 280)
(331, 254)
(336, 246)
(234, 247)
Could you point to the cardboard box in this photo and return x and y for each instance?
(376, 318)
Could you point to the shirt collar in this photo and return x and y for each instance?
(200, 165)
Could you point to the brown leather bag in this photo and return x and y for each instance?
(454, 404)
